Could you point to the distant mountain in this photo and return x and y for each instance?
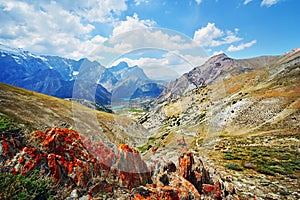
(79, 79)
(151, 90)
(53, 75)
(126, 82)
(217, 68)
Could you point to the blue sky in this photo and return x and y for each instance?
(177, 35)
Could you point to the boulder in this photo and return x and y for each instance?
(132, 170)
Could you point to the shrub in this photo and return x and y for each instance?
(7, 124)
(20, 187)
(266, 171)
(234, 166)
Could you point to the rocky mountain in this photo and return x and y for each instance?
(243, 115)
(52, 75)
(129, 83)
(224, 84)
(66, 78)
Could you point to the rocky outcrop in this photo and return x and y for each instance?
(71, 159)
(61, 154)
(76, 161)
(133, 171)
(190, 181)
(102, 153)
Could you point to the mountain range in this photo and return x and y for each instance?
(238, 116)
(75, 79)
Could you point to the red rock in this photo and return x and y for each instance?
(213, 191)
(153, 149)
(9, 147)
(163, 193)
(178, 188)
(133, 171)
(62, 153)
(104, 155)
(186, 161)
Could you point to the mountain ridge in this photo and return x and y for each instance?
(242, 120)
(62, 77)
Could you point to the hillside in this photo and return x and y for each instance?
(226, 93)
(242, 115)
(39, 161)
(37, 111)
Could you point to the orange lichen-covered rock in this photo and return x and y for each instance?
(162, 193)
(133, 171)
(68, 157)
(61, 154)
(213, 191)
(9, 147)
(26, 160)
(186, 161)
(178, 188)
(190, 181)
(101, 186)
(104, 154)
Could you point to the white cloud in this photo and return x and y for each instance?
(47, 28)
(131, 23)
(217, 53)
(212, 36)
(198, 1)
(66, 29)
(247, 1)
(134, 34)
(169, 65)
(269, 3)
(95, 10)
(139, 2)
(241, 46)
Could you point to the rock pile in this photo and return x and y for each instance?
(190, 181)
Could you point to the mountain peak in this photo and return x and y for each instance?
(218, 57)
(122, 65)
(10, 50)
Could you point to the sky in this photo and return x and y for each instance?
(165, 35)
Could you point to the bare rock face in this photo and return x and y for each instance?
(186, 161)
(178, 189)
(133, 171)
(190, 181)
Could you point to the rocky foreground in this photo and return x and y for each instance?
(83, 169)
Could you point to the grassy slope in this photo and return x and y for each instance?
(38, 111)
